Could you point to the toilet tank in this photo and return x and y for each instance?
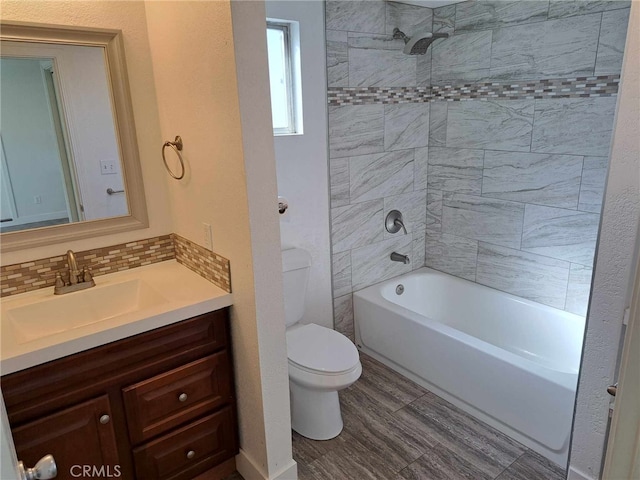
(296, 263)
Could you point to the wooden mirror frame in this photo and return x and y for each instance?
(112, 43)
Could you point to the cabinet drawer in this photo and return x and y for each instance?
(188, 451)
(158, 404)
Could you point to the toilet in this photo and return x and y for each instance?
(321, 360)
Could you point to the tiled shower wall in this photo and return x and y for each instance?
(493, 145)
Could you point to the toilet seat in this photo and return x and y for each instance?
(321, 351)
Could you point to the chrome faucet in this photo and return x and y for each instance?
(398, 257)
(78, 279)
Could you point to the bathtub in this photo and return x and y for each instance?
(509, 362)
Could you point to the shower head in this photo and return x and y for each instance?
(418, 44)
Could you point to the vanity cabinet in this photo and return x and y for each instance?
(79, 435)
(159, 405)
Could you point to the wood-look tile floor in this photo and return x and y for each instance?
(397, 430)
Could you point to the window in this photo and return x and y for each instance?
(284, 77)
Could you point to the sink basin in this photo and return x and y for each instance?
(65, 312)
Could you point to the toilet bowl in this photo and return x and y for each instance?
(321, 360)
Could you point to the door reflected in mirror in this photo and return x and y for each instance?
(60, 155)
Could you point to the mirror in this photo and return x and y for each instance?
(69, 165)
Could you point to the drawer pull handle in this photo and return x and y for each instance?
(104, 419)
(182, 397)
(191, 454)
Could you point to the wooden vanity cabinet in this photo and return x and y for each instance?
(77, 436)
(159, 405)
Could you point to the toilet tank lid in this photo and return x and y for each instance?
(294, 259)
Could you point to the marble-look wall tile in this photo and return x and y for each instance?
(461, 57)
(408, 18)
(544, 179)
(493, 124)
(450, 254)
(370, 41)
(564, 234)
(579, 289)
(482, 15)
(339, 181)
(341, 268)
(434, 210)
(444, 19)
(420, 168)
(526, 275)
(423, 69)
(566, 8)
(556, 48)
(357, 225)
(383, 68)
(380, 175)
(413, 206)
(406, 125)
(419, 250)
(438, 124)
(356, 130)
(343, 316)
(594, 177)
(356, 16)
(455, 170)
(576, 126)
(337, 59)
(371, 264)
(484, 219)
(613, 36)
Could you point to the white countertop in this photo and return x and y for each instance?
(185, 294)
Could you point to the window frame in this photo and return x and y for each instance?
(292, 97)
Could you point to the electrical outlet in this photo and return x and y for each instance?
(207, 236)
(108, 167)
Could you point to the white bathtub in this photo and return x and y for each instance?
(510, 362)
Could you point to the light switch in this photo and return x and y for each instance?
(108, 167)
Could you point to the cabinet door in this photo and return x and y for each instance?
(80, 437)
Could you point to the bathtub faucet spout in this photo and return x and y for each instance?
(398, 257)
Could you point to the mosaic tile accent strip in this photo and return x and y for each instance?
(35, 274)
(576, 87)
(205, 263)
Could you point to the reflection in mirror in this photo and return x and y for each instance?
(69, 165)
(59, 146)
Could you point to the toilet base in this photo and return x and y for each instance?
(315, 414)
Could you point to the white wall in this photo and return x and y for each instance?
(302, 161)
(211, 77)
(130, 18)
(613, 270)
(29, 142)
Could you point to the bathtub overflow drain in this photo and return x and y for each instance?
(400, 289)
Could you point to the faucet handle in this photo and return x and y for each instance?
(87, 276)
(59, 281)
(393, 223)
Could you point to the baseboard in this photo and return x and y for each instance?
(247, 468)
(577, 475)
(250, 471)
(288, 473)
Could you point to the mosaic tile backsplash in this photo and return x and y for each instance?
(35, 274)
(204, 262)
(494, 145)
(579, 87)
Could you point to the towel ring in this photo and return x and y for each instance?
(177, 147)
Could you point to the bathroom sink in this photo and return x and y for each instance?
(57, 314)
